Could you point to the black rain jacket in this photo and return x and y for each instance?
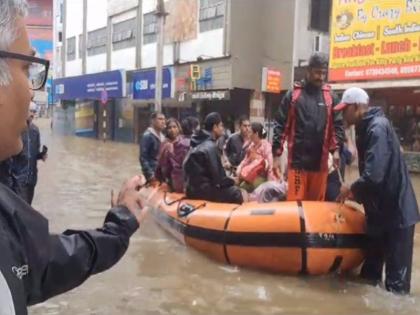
(384, 187)
(36, 265)
(203, 169)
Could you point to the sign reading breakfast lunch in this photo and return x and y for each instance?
(375, 40)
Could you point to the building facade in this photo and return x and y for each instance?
(40, 30)
(376, 45)
(237, 57)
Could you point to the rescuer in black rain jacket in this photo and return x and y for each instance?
(384, 188)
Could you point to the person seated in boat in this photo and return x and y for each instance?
(237, 144)
(190, 126)
(271, 191)
(257, 166)
(204, 173)
(172, 155)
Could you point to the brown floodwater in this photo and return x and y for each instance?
(158, 275)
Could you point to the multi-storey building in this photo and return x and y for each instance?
(236, 57)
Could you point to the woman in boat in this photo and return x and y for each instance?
(172, 155)
(257, 166)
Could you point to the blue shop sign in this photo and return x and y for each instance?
(91, 86)
(144, 84)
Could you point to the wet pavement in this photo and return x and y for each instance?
(160, 276)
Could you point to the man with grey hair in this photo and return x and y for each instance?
(384, 188)
(34, 264)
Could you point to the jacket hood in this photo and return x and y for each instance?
(369, 115)
(373, 112)
(200, 137)
(160, 136)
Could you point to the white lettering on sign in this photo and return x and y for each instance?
(363, 35)
(210, 95)
(59, 89)
(342, 38)
(142, 85)
(410, 69)
(354, 73)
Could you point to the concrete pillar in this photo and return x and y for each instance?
(84, 38)
(109, 43)
(257, 107)
(64, 39)
(139, 21)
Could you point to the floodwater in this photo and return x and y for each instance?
(158, 275)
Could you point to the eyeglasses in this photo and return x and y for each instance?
(38, 69)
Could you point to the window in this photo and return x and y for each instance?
(320, 15)
(317, 43)
(149, 28)
(71, 48)
(211, 14)
(124, 34)
(97, 42)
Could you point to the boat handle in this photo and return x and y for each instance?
(170, 203)
(187, 209)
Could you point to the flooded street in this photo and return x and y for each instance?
(160, 276)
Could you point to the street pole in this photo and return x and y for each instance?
(160, 16)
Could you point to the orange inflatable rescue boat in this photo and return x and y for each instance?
(306, 237)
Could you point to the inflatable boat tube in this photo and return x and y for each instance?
(308, 237)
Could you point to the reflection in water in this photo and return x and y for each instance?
(160, 276)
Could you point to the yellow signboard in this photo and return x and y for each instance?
(375, 40)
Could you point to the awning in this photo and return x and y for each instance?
(95, 86)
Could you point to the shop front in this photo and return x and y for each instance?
(382, 56)
(207, 87)
(143, 84)
(230, 104)
(94, 99)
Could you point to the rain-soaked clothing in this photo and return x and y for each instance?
(312, 129)
(6, 175)
(205, 176)
(149, 152)
(170, 163)
(36, 265)
(384, 188)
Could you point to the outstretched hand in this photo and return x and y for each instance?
(129, 197)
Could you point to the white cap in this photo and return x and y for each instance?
(352, 95)
(33, 107)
